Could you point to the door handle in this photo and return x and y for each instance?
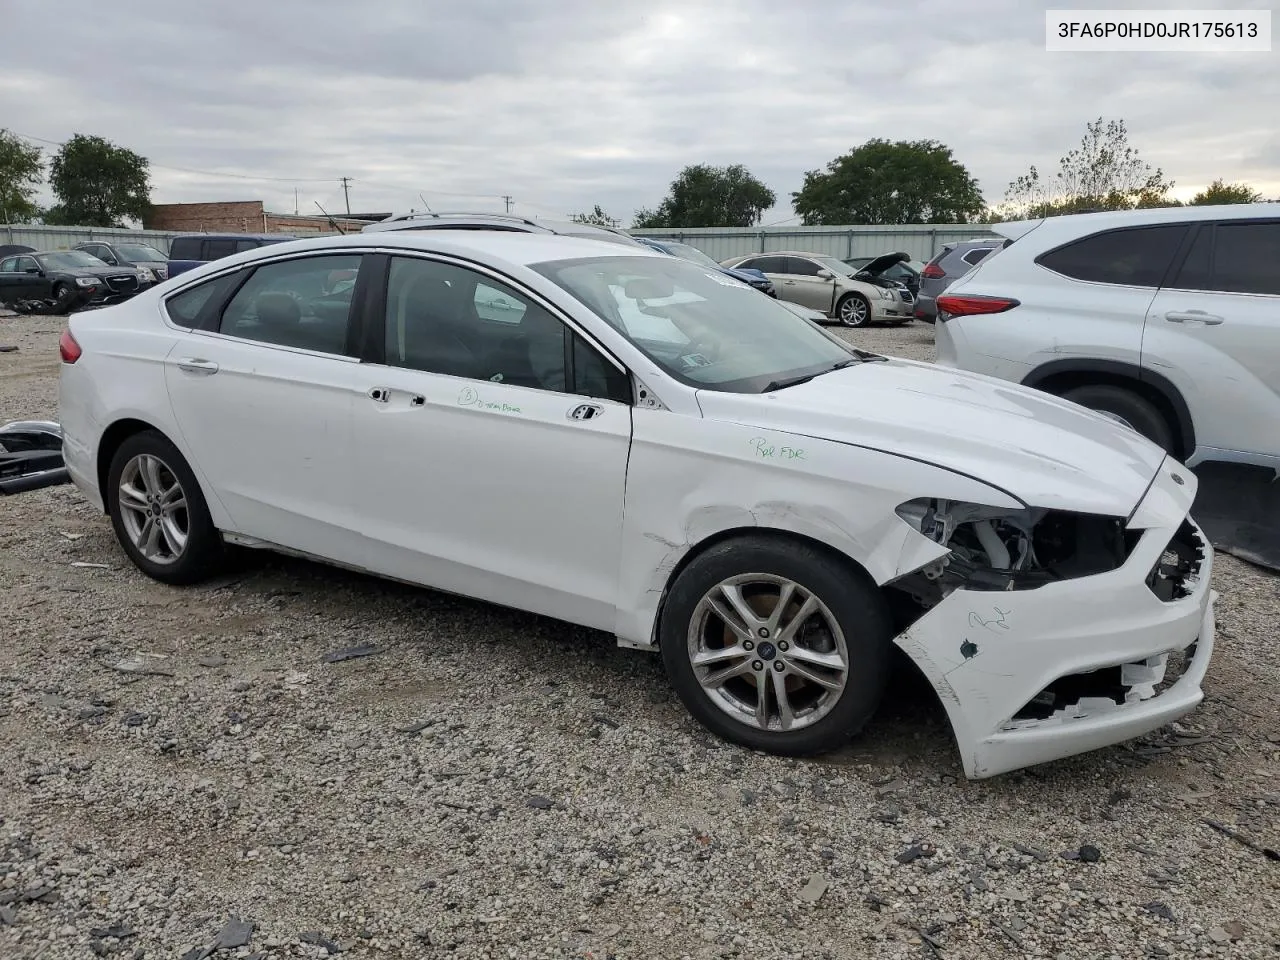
(418, 401)
(379, 394)
(197, 365)
(788, 283)
(1194, 316)
(586, 411)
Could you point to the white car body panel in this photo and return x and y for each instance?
(1219, 350)
(587, 520)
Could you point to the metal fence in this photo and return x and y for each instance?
(63, 238)
(922, 241)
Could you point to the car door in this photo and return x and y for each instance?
(773, 267)
(33, 280)
(493, 443)
(1214, 331)
(805, 286)
(11, 281)
(263, 388)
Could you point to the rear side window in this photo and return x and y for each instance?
(303, 303)
(1137, 257)
(217, 249)
(243, 245)
(185, 308)
(973, 256)
(766, 264)
(185, 248)
(1247, 258)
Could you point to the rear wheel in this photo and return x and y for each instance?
(776, 646)
(853, 310)
(1134, 411)
(158, 512)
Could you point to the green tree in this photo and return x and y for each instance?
(707, 196)
(21, 171)
(1103, 173)
(907, 181)
(597, 218)
(98, 184)
(1219, 192)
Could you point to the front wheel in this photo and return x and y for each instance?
(853, 310)
(158, 512)
(776, 646)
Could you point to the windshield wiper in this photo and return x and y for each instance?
(793, 381)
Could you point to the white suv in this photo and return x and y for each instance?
(1167, 319)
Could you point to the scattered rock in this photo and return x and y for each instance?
(235, 933)
(812, 891)
(242, 686)
(350, 653)
(540, 803)
(8, 348)
(1161, 910)
(1090, 853)
(317, 939)
(144, 665)
(1234, 929)
(915, 852)
(1218, 935)
(8, 916)
(893, 786)
(215, 660)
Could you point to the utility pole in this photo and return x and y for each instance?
(507, 201)
(345, 194)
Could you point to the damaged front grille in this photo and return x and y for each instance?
(1079, 695)
(1177, 572)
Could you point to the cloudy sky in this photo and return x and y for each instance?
(569, 103)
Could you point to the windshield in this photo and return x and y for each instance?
(700, 326)
(141, 253)
(69, 260)
(838, 267)
(692, 254)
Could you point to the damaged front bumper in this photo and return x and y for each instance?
(31, 456)
(1029, 676)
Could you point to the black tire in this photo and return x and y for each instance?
(850, 596)
(1137, 411)
(853, 320)
(203, 551)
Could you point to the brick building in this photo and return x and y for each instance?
(245, 216)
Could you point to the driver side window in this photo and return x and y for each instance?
(303, 303)
(446, 319)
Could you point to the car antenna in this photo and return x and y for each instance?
(332, 222)
(425, 204)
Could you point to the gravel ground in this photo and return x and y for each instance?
(184, 771)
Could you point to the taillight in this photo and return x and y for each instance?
(933, 272)
(955, 305)
(68, 347)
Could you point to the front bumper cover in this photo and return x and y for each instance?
(990, 655)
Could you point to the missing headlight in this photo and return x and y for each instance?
(998, 549)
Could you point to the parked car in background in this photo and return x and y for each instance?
(68, 277)
(191, 250)
(827, 284)
(1166, 319)
(502, 222)
(140, 256)
(642, 446)
(950, 263)
(752, 278)
(898, 267)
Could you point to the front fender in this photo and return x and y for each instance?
(690, 481)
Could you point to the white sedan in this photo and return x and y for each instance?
(631, 442)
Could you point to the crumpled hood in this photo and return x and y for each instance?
(1045, 451)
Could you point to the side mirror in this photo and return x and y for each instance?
(826, 275)
(35, 270)
(111, 261)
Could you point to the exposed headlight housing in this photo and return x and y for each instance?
(886, 293)
(994, 548)
(145, 274)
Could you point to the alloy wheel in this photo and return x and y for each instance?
(153, 509)
(853, 312)
(768, 652)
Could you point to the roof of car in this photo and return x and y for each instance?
(234, 236)
(509, 246)
(1090, 222)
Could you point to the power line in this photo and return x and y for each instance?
(205, 173)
